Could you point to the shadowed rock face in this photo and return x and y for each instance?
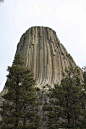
(44, 54)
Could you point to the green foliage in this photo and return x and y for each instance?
(84, 85)
(84, 76)
(18, 109)
(67, 101)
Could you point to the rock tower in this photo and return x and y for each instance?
(44, 54)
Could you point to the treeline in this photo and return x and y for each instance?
(66, 107)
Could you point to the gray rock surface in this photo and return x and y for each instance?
(44, 54)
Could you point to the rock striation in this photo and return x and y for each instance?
(44, 54)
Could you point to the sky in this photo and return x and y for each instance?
(66, 17)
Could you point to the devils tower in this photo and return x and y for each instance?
(44, 54)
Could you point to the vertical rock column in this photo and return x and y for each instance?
(44, 54)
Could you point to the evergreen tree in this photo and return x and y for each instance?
(84, 86)
(20, 101)
(84, 76)
(65, 109)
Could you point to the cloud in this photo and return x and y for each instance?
(49, 8)
(72, 11)
(38, 9)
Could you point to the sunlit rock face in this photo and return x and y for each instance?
(44, 54)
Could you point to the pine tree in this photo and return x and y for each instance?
(84, 88)
(65, 109)
(20, 101)
(84, 76)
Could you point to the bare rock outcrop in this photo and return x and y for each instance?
(44, 54)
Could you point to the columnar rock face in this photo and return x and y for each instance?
(44, 54)
(47, 57)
